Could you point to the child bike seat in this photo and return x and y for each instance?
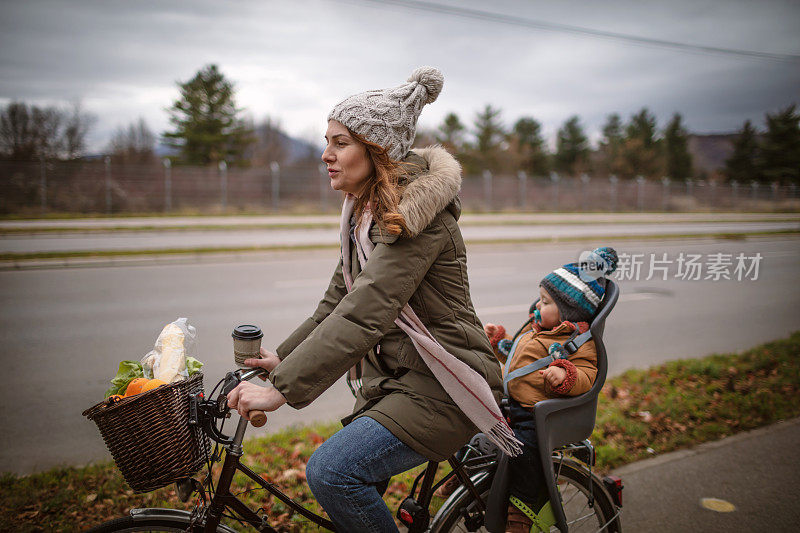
(561, 421)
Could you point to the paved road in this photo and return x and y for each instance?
(756, 471)
(63, 331)
(466, 219)
(242, 238)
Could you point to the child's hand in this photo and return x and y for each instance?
(554, 375)
(490, 330)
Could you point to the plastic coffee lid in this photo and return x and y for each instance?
(247, 331)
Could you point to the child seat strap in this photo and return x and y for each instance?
(576, 342)
(556, 351)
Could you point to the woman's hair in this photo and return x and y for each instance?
(382, 189)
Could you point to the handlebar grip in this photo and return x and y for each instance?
(257, 418)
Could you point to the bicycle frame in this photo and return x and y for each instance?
(223, 498)
(471, 468)
(205, 412)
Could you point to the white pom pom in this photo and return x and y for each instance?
(431, 78)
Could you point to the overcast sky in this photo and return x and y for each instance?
(294, 60)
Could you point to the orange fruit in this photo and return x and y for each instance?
(152, 384)
(135, 386)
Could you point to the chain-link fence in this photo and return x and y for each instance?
(90, 187)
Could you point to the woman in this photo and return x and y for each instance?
(400, 300)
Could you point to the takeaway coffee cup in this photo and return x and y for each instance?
(246, 343)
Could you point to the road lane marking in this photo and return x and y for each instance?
(715, 504)
(502, 309)
(322, 283)
(523, 308)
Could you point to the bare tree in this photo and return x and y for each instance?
(270, 143)
(77, 124)
(134, 144)
(30, 133)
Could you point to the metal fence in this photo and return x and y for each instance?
(102, 187)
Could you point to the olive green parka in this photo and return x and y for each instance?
(426, 269)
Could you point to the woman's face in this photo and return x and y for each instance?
(347, 160)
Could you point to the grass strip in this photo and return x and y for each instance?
(489, 221)
(78, 254)
(641, 413)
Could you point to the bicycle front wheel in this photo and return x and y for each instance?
(587, 505)
(153, 521)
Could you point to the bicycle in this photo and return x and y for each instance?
(590, 503)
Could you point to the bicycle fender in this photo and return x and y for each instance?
(155, 512)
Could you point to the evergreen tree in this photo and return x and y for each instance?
(611, 146)
(678, 158)
(451, 133)
(572, 148)
(780, 147)
(641, 154)
(489, 135)
(742, 164)
(527, 133)
(207, 128)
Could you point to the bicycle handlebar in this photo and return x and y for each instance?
(257, 417)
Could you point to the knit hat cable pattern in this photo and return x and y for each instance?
(578, 288)
(388, 117)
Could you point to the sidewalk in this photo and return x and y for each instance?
(756, 471)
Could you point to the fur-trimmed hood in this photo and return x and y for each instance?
(432, 182)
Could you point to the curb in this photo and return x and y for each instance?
(223, 223)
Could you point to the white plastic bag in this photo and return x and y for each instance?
(167, 361)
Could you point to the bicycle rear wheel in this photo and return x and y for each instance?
(577, 487)
(157, 523)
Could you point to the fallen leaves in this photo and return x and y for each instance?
(641, 413)
(685, 402)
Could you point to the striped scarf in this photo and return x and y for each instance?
(468, 389)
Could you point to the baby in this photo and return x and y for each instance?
(537, 367)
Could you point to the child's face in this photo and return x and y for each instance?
(548, 309)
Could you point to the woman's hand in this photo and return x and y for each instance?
(490, 330)
(248, 397)
(554, 375)
(268, 362)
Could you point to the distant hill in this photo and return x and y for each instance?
(295, 149)
(298, 149)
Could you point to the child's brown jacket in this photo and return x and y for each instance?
(581, 367)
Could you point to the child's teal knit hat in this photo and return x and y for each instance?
(578, 288)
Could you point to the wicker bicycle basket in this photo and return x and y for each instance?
(149, 435)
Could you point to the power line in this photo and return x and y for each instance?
(577, 30)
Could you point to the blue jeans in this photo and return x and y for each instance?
(349, 472)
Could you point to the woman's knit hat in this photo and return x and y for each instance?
(388, 117)
(578, 288)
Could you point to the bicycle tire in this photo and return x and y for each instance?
(155, 524)
(573, 480)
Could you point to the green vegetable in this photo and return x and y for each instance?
(128, 371)
(193, 365)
